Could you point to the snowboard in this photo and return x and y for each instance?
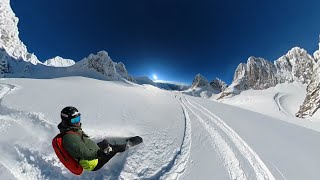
(133, 141)
(128, 141)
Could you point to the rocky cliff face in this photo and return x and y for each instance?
(122, 71)
(218, 85)
(9, 35)
(258, 73)
(312, 101)
(296, 65)
(199, 81)
(103, 64)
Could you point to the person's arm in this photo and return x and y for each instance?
(74, 145)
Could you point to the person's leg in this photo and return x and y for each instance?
(119, 148)
(115, 149)
(103, 160)
(103, 144)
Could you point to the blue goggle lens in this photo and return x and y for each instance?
(75, 120)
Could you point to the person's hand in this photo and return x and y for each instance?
(108, 149)
(104, 151)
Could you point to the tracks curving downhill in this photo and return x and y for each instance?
(260, 169)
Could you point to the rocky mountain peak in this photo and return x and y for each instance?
(199, 81)
(258, 73)
(218, 85)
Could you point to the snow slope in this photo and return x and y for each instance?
(281, 102)
(184, 137)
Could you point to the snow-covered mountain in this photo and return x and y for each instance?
(59, 62)
(200, 87)
(199, 82)
(15, 61)
(122, 71)
(296, 65)
(218, 85)
(258, 73)
(311, 103)
(9, 35)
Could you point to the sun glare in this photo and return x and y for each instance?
(155, 77)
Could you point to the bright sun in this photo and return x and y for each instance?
(155, 77)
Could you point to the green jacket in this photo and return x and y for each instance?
(79, 147)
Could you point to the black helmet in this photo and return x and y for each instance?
(68, 113)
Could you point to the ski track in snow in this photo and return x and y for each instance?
(277, 98)
(231, 161)
(260, 169)
(179, 164)
(174, 168)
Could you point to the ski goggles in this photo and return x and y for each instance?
(75, 120)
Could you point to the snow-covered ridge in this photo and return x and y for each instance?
(59, 62)
(9, 35)
(201, 87)
(15, 61)
(258, 73)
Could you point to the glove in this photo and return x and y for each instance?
(105, 151)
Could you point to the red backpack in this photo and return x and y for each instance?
(65, 158)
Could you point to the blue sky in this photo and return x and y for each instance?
(175, 39)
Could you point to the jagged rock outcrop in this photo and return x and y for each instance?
(122, 71)
(9, 35)
(200, 87)
(312, 101)
(296, 65)
(59, 62)
(200, 81)
(103, 64)
(218, 85)
(258, 73)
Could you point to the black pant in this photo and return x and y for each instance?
(104, 159)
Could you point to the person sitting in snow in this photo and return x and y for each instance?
(90, 155)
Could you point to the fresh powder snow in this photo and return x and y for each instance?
(185, 137)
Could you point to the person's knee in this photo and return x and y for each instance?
(103, 144)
